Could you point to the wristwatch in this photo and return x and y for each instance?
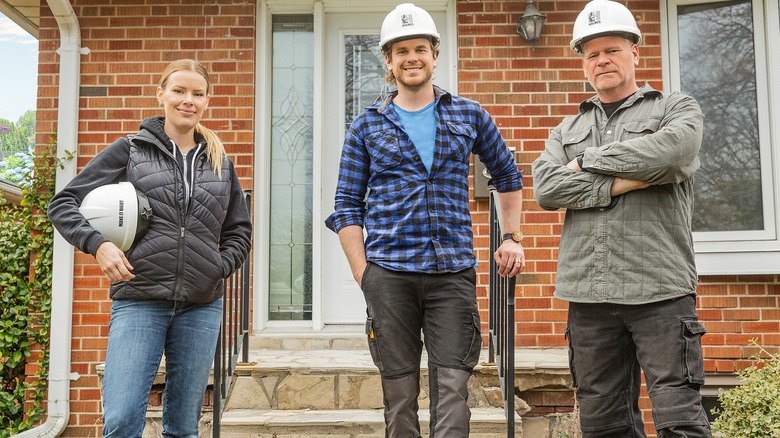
(580, 157)
(517, 236)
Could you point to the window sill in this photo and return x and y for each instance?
(738, 263)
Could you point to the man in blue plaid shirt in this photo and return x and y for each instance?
(404, 179)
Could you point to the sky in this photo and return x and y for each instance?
(18, 70)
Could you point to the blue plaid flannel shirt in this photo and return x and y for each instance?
(417, 221)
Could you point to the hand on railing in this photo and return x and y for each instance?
(510, 258)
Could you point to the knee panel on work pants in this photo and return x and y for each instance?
(400, 399)
(449, 393)
(678, 407)
(608, 416)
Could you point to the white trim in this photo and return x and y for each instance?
(20, 18)
(452, 45)
(318, 76)
(666, 57)
(713, 383)
(262, 167)
(742, 252)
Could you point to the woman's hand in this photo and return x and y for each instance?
(113, 263)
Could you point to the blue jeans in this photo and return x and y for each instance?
(140, 330)
(608, 345)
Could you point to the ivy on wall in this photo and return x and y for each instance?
(26, 239)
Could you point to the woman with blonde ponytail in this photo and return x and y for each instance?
(167, 287)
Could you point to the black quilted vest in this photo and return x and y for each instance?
(178, 258)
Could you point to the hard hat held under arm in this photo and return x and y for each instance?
(107, 167)
(119, 212)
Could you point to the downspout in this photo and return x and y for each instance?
(62, 273)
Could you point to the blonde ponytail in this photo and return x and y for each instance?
(215, 149)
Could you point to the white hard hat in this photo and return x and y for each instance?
(407, 21)
(119, 211)
(602, 18)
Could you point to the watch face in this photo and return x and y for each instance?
(517, 236)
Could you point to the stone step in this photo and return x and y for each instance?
(335, 337)
(527, 360)
(348, 379)
(485, 423)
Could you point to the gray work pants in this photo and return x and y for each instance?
(444, 308)
(608, 343)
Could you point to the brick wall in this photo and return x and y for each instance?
(528, 93)
(131, 42)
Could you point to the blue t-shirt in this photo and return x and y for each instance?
(421, 127)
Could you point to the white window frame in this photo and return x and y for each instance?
(742, 252)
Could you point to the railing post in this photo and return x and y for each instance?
(233, 333)
(501, 320)
(245, 282)
(216, 388)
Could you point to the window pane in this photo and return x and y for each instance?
(718, 68)
(290, 254)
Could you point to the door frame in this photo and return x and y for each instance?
(261, 204)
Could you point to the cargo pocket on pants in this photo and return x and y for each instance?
(373, 346)
(693, 361)
(475, 345)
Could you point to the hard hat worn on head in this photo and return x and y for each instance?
(405, 22)
(119, 212)
(604, 18)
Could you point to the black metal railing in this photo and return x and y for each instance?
(501, 324)
(234, 333)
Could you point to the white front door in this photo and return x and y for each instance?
(354, 78)
(319, 65)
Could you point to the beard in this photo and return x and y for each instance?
(415, 82)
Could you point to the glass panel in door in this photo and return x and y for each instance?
(290, 257)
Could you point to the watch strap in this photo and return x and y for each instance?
(516, 236)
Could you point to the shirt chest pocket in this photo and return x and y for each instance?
(385, 151)
(636, 129)
(575, 142)
(460, 140)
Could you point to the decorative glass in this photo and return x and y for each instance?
(364, 74)
(290, 252)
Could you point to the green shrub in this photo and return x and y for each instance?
(26, 240)
(14, 311)
(752, 410)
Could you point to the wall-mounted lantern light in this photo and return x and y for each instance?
(530, 24)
